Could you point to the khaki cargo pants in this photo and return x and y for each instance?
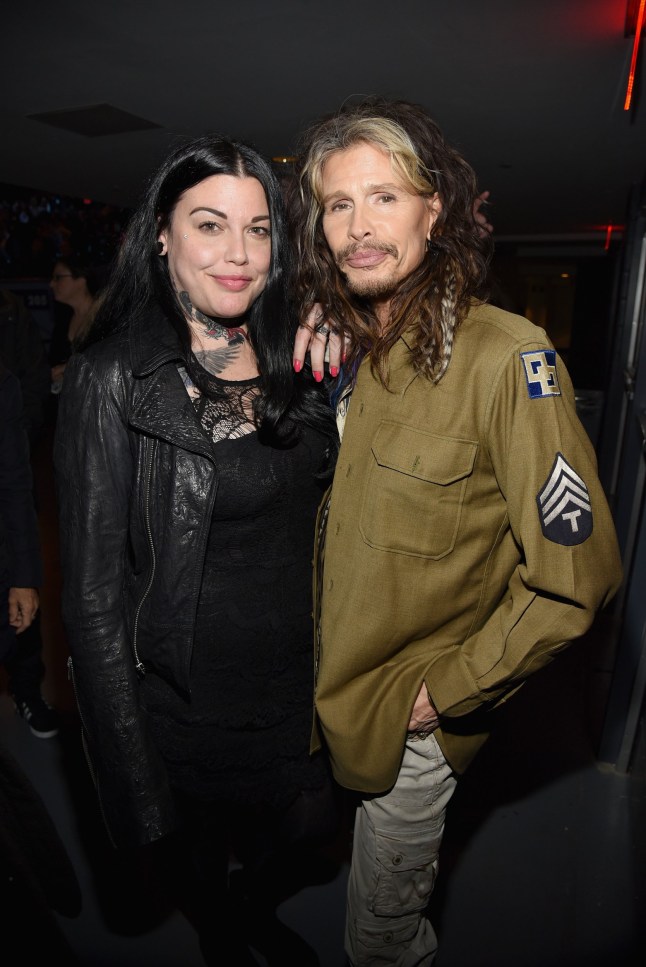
(397, 839)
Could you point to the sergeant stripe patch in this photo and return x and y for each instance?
(564, 506)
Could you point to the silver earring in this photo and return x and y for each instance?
(186, 236)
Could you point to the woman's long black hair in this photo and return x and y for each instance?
(141, 278)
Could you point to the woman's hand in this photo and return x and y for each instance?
(316, 335)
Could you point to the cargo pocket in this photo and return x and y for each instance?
(405, 877)
(415, 490)
(383, 939)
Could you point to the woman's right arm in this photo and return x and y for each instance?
(95, 477)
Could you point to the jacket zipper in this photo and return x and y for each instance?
(139, 665)
(199, 567)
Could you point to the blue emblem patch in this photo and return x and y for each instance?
(540, 372)
(564, 506)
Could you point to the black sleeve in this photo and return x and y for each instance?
(23, 352)
(19, 538)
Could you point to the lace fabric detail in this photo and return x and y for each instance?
(228, 414)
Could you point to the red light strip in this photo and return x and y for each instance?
(608, 237)
(633, 61)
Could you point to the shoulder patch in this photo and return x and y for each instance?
(540, 373)
(564, 506)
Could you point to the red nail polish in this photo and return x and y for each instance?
(317, 376)
(297, 365)
(334, 370)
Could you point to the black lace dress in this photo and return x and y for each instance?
(244, 736)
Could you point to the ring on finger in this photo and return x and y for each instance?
(322, 327)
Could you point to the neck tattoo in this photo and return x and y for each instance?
(214, 329)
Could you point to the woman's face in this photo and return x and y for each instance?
(218, 244)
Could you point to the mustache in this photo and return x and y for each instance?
(354, 247)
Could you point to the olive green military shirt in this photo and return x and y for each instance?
(468, 540)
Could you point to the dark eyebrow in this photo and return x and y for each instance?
(211, 211)
(214, 211)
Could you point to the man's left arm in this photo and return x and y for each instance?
(570, 563)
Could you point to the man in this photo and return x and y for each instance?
(467, 538)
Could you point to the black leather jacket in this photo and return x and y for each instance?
(136, 482)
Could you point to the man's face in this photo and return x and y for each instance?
(375, 226)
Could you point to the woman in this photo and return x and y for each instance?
(78, 287)
(190, 464)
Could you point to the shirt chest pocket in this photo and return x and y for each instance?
(415, 490)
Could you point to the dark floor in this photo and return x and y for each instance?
(543, 863)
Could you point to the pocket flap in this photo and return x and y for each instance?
(438, 459)
(398, 856)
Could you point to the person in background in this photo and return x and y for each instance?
(78, 286)
(467, 538)
(20, 559)
(36, 875)
(23, 353)
(190, 464)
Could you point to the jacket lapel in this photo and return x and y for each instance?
(162, 408)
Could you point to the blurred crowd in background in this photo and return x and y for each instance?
(36, 229)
